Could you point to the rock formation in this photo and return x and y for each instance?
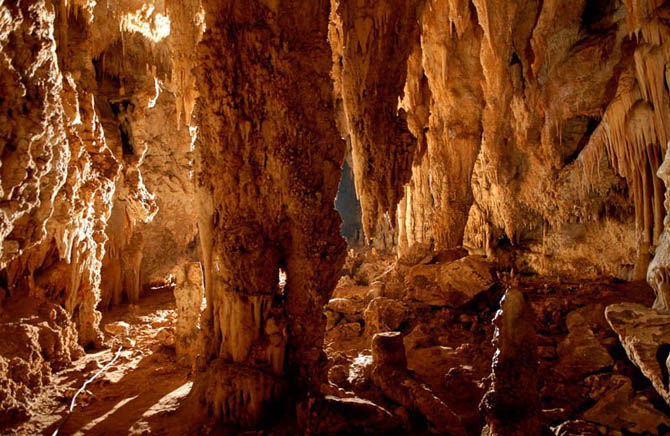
(269, 166)
(511, 404)
(201, 150)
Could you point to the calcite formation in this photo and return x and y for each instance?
(189, 293)
(511, 405)
(645, 335)
(472, 147)
(268, 170)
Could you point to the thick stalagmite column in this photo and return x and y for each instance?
(269, 160)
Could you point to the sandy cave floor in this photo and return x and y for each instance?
(140, 393)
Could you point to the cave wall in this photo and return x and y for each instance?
(144, 73)
(59, 174)
(532, 127)
(111, 107)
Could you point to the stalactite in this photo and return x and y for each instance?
(370, 47)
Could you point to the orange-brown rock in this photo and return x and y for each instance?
(269, 163)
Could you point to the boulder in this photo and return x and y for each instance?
(581, 353)
(388, 350)
(350, 307)
(336, 416)
(368, 272)
(166, 337)
(620, 409)
(645, 335)
(118, 328)
(438, 360)
(360, 371)
(453, 285)
(416, 254)
(338, 375)
(345, 335)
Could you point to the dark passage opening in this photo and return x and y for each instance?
(349, 207)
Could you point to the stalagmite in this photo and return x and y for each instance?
(511, 404)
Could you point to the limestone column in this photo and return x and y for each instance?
(269, 160)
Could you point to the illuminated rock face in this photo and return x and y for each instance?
(524, 122)
(80, 89)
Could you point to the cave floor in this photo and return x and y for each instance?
(144, 391)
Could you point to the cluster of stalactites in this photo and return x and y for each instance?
(634, 129)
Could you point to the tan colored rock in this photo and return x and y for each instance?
(268, 162)
(350, 307)
(166, 337)
(643, 333)
(453, 284)
(189, 293)
(428, 362)
(45, 341)
(369, 71)
(118, 328)
(581, 353)
(384, 314)
(658, 272)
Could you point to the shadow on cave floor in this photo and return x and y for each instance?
(144, 391)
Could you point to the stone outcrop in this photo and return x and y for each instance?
(30, 352)
(451, 284)
(58, 173)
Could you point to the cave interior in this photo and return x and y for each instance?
(335, 217)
